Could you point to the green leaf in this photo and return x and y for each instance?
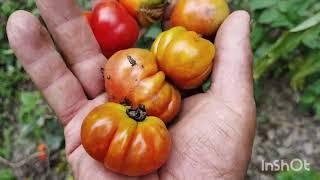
(312, 21)
(29, 104)
(275, 18)
(257, 35)
(285, 44)
(206, 86)
(312, 39)
(316, 107)
(2, 33)
(311, 98)
(85, 4)
(153, 32)
(258, 4)
(310, 67)
(8, 6)
(149, 36)
(7, 52)
(54, 142)
(6, 174)
(262, 50)
(284, 6)
(6, 143)
(29, 98)
(308, 99)
(268, 16)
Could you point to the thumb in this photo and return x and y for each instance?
(232, 73)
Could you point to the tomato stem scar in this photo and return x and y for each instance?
(139, 114)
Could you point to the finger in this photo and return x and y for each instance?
(72, 130)
(75, 39)
(84, 167)
(35, 50)
(232, 74)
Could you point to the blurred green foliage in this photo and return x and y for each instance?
(6, 174)
(298, 175)
(149, 36)
(13, 79)
(286, 43)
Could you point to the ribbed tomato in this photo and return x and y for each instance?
(185, 57)
(125, 139)
(132, 77)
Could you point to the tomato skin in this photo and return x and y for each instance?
(132, 76)
(124, 145)
(114, 28)
(147, 12)
(201, 16)
(185, 57)
(132, 6)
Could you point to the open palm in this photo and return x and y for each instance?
(213, 135)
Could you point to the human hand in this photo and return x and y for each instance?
(212, 137)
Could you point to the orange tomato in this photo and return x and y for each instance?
(185, 57)
(125, 139)
(42, 152)
(132, 77)
(201, 16)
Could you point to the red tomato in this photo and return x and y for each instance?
(132, 77)
(125, 140)
(114, 28)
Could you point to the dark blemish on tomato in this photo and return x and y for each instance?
(126, 102)
(108, 77)
(132, 61)
(142, 66)
(102, 72)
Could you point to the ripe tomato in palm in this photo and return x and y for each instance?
(184, 56)
(114, 28)
(201, 16)
(125, 139)
(132, 77)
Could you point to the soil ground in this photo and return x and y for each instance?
(283, 132)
